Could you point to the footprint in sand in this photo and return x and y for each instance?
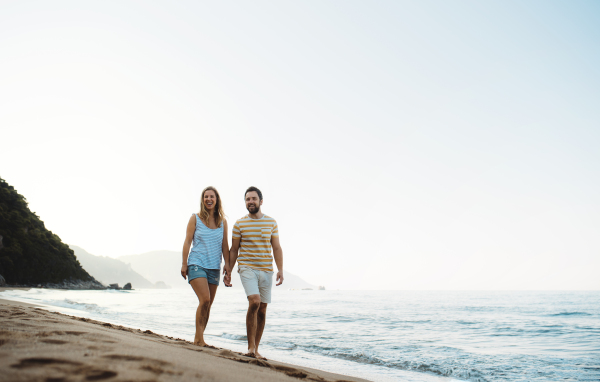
(153, 369)
(79, 368)
(154, 366)
(74, 333)
(55, 342)
(227, 353)
(53, 333)
(97, 375)
(122, 357)
(260, 362)
(292, 372)
(36, 362)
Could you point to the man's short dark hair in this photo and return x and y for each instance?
(250, 189)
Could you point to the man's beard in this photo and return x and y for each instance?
(253, 209)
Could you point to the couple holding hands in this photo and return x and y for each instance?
(253, 236)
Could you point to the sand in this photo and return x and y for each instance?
(38, 345)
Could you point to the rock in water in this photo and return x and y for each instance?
(161, 285)
(127, 286)
(2, 281)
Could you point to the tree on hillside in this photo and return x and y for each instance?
(29, 253)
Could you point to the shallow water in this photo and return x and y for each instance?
(378, 335)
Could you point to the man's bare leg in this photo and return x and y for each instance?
(261, 318)
(251, 324)
(203, 292)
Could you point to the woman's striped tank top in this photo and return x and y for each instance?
(208, 246)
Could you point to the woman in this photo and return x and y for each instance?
(208, 232)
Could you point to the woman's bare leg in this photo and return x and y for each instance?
(203, 292)
(213, 291)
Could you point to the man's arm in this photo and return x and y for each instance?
(233, 252)
(278, 256)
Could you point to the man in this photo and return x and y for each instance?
(257, 233)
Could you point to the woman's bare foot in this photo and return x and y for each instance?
(250, 354)
(203, 344)
(257, 355)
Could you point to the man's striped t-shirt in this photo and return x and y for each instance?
(255, 241)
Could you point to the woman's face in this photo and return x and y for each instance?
(210, 200)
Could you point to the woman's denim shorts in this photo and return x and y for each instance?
(211, 275)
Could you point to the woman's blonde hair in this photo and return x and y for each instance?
(218, 213)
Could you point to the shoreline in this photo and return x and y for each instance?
(39, 344)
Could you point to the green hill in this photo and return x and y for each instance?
(31, 254)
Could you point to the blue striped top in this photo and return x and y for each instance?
(208, 246)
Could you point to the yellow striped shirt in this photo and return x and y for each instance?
(255, 241)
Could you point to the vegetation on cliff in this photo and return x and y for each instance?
(29, 253)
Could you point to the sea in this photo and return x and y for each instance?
(407, 336)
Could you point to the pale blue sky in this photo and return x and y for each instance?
(400, 145)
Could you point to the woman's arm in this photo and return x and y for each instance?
(189, 235)
(225, 250)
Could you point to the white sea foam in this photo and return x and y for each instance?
(236, 337)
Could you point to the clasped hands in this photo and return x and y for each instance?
(227, 275)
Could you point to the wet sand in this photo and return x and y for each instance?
(37, 345)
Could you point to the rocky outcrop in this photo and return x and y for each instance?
(2, 281)
(127, 286)
(161, 285)
(75, 284)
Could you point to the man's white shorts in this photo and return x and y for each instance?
(257, 282)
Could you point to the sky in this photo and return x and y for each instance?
(400, 145)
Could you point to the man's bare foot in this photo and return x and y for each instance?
(257, 355)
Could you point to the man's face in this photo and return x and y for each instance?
(253, 202)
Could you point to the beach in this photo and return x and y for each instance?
(38, 345)
(408, 336)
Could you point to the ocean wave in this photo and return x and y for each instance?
(283, 345)
(365, 357)
(344, 319)
(570, 314)
(81, 306)
(236, 337)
